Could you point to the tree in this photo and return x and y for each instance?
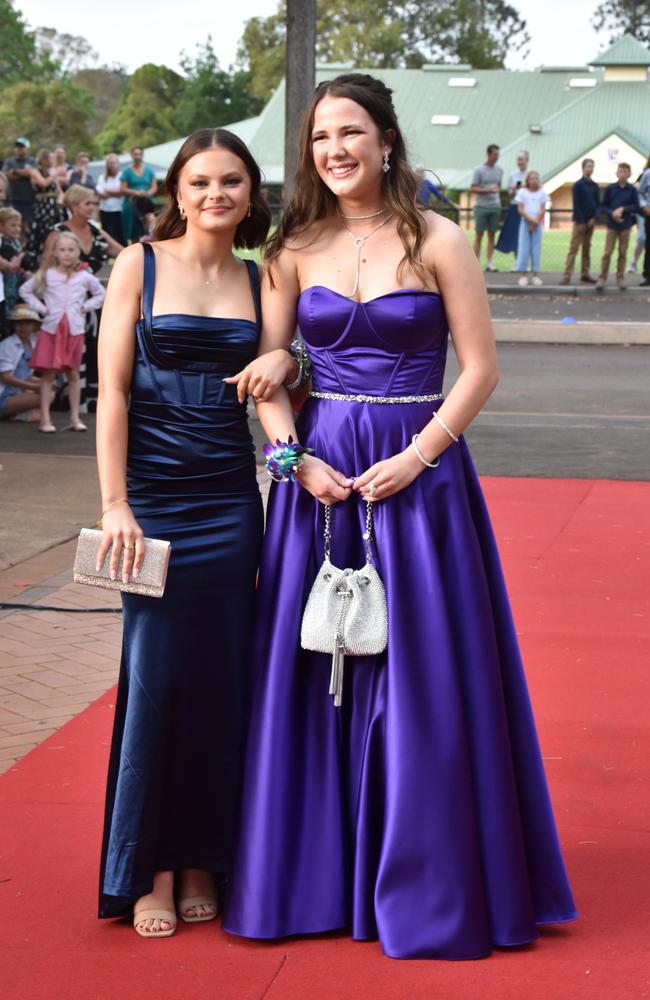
(69, 52)
(50, 113)
(18, 48)
(211, 96)
(146, 114)
(478, 32)
(389, 34)
(106, 85)
(261, 51)
(624, 17)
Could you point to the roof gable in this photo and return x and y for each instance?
(627, 51)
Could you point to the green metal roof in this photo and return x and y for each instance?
(619, 108)
(160, 157)
(627, 51)
(499, 108)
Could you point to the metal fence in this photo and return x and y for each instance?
(555, 241)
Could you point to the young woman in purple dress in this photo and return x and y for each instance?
(418, 811)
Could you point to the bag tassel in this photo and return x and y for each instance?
(338, 657)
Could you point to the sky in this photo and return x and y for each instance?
(560, 29)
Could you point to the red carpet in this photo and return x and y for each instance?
(576, 556)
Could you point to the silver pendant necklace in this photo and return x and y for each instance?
(359, 218)
(360, 242)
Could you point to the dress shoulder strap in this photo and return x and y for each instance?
(254, 278)
(148, 284)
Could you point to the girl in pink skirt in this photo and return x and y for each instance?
(62, 291)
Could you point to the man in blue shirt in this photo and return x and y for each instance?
(586, 197)
(621, 206)
(428, 190)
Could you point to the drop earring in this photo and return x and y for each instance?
(386, 164)
(250, 209)
(181, 211)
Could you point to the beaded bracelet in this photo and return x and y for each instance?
(445, 427)
(284, 458)
(429, 465)
(299, 353)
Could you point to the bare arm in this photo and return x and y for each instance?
(458, 276)
(116, 349)
(279, 310)
(37, 179)
(273, 365)
(114, 248)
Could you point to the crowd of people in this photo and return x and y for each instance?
(59, 225)
(622, 205)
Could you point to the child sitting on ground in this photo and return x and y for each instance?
(62, 291)
(19, 387)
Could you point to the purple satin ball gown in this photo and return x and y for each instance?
(418, 812)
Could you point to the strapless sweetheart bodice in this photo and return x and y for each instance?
(394, 344)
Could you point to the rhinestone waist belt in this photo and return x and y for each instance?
(345, 397)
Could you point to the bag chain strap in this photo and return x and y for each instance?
(367, 535)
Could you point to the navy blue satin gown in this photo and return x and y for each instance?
(174, 771)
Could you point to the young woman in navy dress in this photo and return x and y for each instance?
(176, 462)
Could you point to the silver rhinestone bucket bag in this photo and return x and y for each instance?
(346, 610)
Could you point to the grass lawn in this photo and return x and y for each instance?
(555, 246)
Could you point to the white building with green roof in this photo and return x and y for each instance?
(560, 114)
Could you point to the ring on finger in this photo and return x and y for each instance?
(128, 548)
(372, 487)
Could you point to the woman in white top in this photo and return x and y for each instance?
(531, 201)
(109, 185)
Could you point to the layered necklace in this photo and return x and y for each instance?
(360, 241)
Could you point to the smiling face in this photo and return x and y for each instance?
(214, 189)
(532, 181)
(66, 252)
(522, 162)
(137, 155)
(112, 165)
(348, 148)
(11, 227)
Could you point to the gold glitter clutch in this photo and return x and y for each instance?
(150, 582)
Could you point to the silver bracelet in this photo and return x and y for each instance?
(445, 427)
(290, 386)
(429, 465)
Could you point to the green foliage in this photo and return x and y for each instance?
(18, 48)
(478, 32)
(388, 34)
(261, 51)
(47, 113)
(212, 97)
(106, 85)
(146, 113)
(624, 17)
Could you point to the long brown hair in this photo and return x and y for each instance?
(251, 231)
(312, 199)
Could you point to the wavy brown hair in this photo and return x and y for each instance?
(312, 199)
(252, 230)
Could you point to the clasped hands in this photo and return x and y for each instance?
(267, 373)
(379, 482)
